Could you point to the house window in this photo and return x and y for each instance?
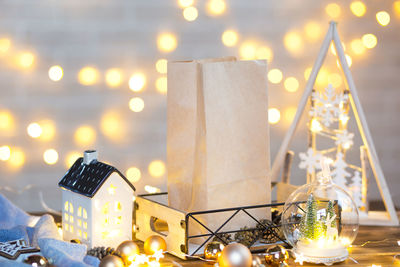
(104, 210)
(79, 222)
(71, 219)
(66, 217)
(66, 227)
(79, 232)
(66, 206)
(71, 208)
(79, 211)
(118, 206)
(118, 220)
(84, 214)
(84, 225)
(71, 229)
(84, 235)
(111, 189)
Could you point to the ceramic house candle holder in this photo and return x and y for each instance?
(97, 203)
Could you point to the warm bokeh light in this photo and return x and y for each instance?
(185, 3)
(114, 77)
(247, 50)
(71, 157)
(291, 84)
(307, 73)
(137, 82)
(289, 113)
(151, 189)
(7, 123)
(85, 135)
(48, 130)
(396, 8)
(157, 168)
(161, 85)
(322, 77)
(190, 13)
(25, 60)
(274, 115)
(333, 10)
(349, 60)
(383, 18)
(293, 42)
(333, 48)
(369, 40)
(136, 104)
(275, 76)
(166, 42)
(56, 73)
(216, 7)
(358, 8)
(315, 126)
(313, 31)
(5, 45)
(88, 75)
(5, 153)
(133, 174)
(230, 38)
(357, 46)
(161, 66)
(50, 156)
(34, 130)
(264, 52)
(112, 126)
(17, 158)
(335, 79)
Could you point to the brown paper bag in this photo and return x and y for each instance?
(218, 137)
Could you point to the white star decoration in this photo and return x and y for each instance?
(299, 258)
(310, 160)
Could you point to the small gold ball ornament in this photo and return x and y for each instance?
(111, 261)
(256, 262)
(153, 244)
(76, 241)
(213, 250)
(36, 260)
(235, 255)
(277, 256)
(128, 249)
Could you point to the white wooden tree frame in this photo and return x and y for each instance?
(388, 217)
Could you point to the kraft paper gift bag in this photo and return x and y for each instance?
(218, 138)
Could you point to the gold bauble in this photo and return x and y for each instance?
(213, 250)
(235, 255)
(111, 261)
(153, 244)
(276, 256)
(76, 241)
(36, 260)
(127, 250)
(256, 262)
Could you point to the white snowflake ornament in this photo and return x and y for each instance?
(344, 138)
(310, 160)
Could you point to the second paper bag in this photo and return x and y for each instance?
(218, 138)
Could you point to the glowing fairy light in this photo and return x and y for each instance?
(161, 85)
(293, 42)
(322, 77)
(307, 73)
(151, 189)
(5, 153)
(166, 42)
(289, 113)
(357, 46)
(85, 135)
(383, 18)
(112, 126)
(156, 168)
(50, 156)
(247, 50)
(71, 158)
(230, 38)
(56, 73)
(333, 10)
(274, 115)
(48, 130)
(190, 13)
(275, 76)
(113, 77)
(315, 126)
(161, 66)
(396, 8)
(369, 40)
(216, 7)
(185, 3)
(313, 31)
(358, 8)
(17, 158)
(88, 75)
(133, 174)
(264, 52)
(136, 104)
(34, 130)
(291, 84)
(7, 123)
(137, 82)
(5, 45)
(335, 79)
(25, 60)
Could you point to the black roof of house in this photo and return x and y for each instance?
(87, 179)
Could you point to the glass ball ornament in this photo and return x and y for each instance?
(235, 255)
(153, 244)
(36, 260)
(276, 256)
(111, 261)
(128, 250)
(213, 250)
(320, 220)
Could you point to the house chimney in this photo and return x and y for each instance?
(89, 156)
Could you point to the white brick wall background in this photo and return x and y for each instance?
(122, 34)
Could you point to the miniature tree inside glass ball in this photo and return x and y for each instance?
(320, 220)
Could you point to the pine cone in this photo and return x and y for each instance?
(101, 252)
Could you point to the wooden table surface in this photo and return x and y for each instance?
(379, 253)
